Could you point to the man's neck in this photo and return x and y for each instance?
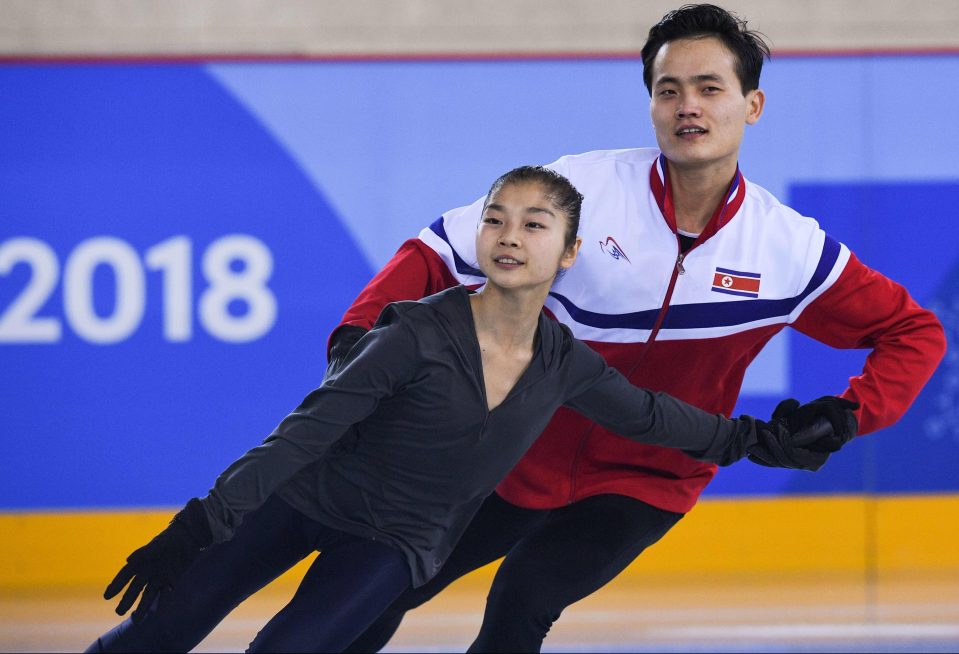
(696, 192)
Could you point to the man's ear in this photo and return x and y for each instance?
(755, 101)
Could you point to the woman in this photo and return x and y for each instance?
(383, 466)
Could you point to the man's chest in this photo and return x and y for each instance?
(631, 267)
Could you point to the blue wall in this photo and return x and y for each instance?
(177, 240)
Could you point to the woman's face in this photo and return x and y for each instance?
(521, 238)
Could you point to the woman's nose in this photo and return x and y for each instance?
(508, 238)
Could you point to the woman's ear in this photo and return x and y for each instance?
(569, 256)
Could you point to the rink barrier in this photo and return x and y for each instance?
(836, 534)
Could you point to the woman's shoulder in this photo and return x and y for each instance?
(450, 305)
(556, 341)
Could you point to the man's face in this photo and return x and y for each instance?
(697, 104)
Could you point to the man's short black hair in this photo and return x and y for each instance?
(700, 21)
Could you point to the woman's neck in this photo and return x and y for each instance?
(507, 317)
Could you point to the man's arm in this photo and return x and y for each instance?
(414, 272)
(864, 309)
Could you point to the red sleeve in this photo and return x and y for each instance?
(414, 272)
(864, 309)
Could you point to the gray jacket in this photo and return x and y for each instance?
(398, 445)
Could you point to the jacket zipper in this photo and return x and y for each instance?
(677, 271)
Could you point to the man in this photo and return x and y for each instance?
(686, 272)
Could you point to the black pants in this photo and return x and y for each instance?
(553, 559)
(344, 591)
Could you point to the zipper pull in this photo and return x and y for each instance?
(679, 263)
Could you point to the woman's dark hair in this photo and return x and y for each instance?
(700, 21)
(559, 190)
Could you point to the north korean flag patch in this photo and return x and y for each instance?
(734, 282)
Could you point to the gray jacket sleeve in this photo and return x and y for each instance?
(602, 394)
(379, 365)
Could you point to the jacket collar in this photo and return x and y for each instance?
(727, 209)
(453, 305)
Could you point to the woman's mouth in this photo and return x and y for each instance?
(509, 262)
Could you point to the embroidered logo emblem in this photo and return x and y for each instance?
(611, 247)
(733, 282)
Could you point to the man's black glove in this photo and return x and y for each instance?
(342, 341)
(157, 565)
(804, 436)
(835, 410)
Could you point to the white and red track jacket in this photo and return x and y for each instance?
(688, 324)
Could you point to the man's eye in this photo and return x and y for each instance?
(535, 225)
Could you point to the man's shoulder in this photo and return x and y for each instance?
(766, 206)
(629, 156)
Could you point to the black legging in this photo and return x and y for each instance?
(555, 558)
(344, 591)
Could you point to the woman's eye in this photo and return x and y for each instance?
(489, 220)
(532, 225)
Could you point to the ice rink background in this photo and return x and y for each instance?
(145, 142)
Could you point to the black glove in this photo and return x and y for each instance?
(342, 341)
(157, 565)
(804, 436)
(777, 447)
(835, 410)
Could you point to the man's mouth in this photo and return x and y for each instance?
(690, 131)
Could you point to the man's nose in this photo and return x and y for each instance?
(688, 108)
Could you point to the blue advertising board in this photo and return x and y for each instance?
(177, 241)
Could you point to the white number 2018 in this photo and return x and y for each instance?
(236, 267)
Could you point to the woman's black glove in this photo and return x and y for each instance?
(803, 436)
(157, 565)
(342, 341)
